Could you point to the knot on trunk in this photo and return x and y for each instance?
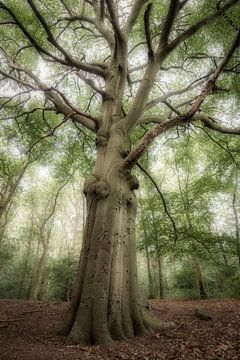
(102, 189)
(89, 185)
(102, 137)
(96, 187)
(133, 182)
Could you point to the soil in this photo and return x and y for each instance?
(27, 331)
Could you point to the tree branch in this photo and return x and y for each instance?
(148, 31)
(135, 154)
(61, 103)
(163, 200)
(167, 27)
(134, 14)
(68, 60)
(114, 19)
(200, 24)
(51, 133)
(213, 125)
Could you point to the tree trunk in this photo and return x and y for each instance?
(200, 279)
(12, 190)
(161, 277)
(227, 269)
(150, 278)
(24, 271)
(237, 224)
(105, 303)
(36, 280)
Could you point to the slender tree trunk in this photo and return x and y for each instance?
(161, 277)
(36, 279)
(200, 278)
(105, 303)
(21, 285)
(225, 259)
(7, 200)
(150, 278)
(237, 225)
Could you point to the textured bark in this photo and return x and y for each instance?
(105, 304)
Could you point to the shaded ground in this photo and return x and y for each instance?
(27, 332)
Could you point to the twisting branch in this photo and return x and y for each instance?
(91, 83)
(163, 200)
(147, 30)
(136, 153)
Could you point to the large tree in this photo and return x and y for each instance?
(116, 54)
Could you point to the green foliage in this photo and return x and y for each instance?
(183, 284)
(60, 275)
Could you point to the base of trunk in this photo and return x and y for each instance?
(77, 334)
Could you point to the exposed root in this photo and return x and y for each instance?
(155, 324)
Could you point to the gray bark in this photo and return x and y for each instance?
(105, 304)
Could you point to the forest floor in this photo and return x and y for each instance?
(27, 331)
